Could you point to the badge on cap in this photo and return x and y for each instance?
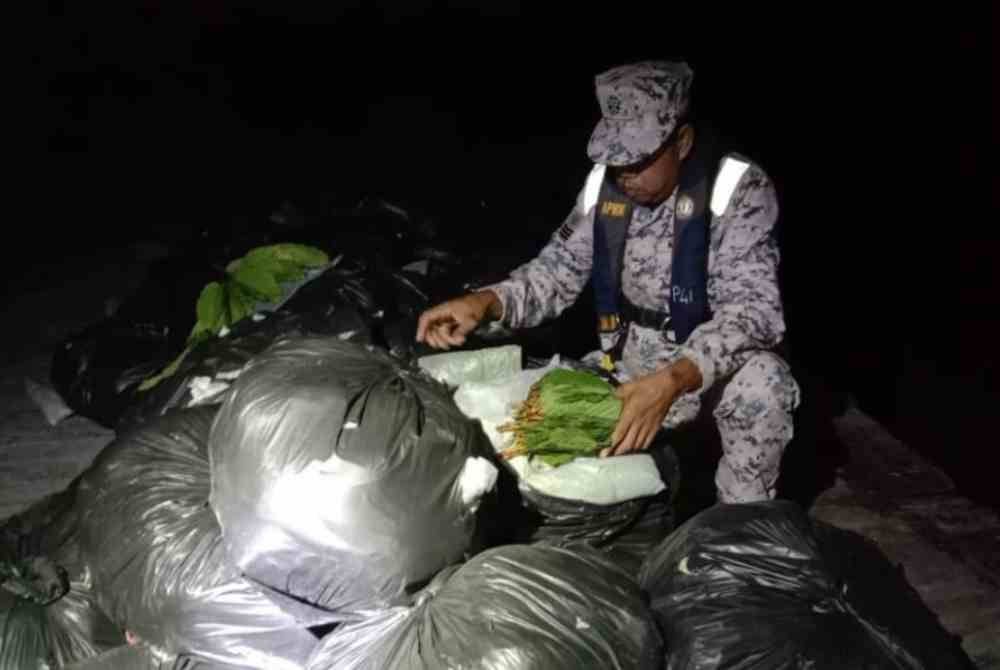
(614, 105)
(685, 206)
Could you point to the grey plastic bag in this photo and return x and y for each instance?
(42, 637)
(22, 635)
(343, 479)
(49, 616)
(160, 567)
(127, 658)
(141, 657)
(515, 607)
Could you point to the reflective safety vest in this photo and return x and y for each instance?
(705, 187)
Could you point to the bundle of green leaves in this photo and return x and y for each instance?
(257, 278)
(567, 414)
(261, 278)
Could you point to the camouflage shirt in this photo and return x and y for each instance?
(743, 292)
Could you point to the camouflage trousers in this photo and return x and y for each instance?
(753, 410)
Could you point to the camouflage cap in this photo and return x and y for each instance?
(640, 105)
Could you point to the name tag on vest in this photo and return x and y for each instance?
(612, 208)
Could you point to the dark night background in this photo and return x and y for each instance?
(157, 119)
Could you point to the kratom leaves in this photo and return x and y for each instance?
(568, 413)
(258, 278)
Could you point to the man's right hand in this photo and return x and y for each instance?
(447, 324)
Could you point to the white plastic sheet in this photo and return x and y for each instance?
(457, 367)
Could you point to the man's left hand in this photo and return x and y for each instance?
(645, 403)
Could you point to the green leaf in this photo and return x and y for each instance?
(258, 279)
(579, 414)
(211, 308)
(287, 254)
(169, 370)
(287, 273)
(264, 269)
(240, 300)
(555, 460)
(255, 278)
(299, 254)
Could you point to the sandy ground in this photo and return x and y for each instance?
(948, 548)
(44, 306)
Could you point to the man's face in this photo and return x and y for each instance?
(652, 180)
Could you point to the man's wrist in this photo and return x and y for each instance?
(492, 309)
(682, 376)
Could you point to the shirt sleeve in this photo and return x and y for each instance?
(545, 286)
(743, 290)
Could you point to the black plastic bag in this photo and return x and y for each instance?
(219, 360)
(515, 607)
(389, 299)
(342, 478)
(96, 370)
(633, 544)
(628, 530)
(48, 610)
(377, 231)
(761, 586)
(159, 562)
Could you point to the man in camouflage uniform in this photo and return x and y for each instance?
(727, 360)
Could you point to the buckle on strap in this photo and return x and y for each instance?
(608, 323)
(667, 330)
(648, 318)
(644, 317)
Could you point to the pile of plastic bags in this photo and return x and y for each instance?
(327, 485)
(333, 506)
(304, 491)
(385, 265)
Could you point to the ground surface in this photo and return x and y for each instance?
(948, 548)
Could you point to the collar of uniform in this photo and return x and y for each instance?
(665, 208)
